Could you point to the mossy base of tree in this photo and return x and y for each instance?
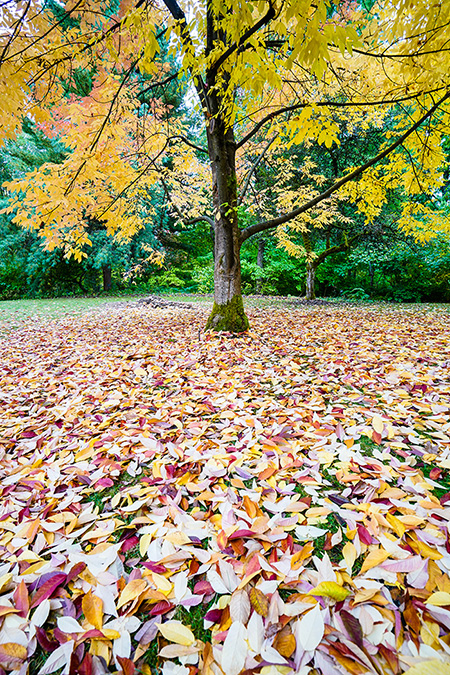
(229, 317)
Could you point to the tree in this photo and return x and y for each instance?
(256, 67)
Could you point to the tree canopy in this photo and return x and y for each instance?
(100, 76)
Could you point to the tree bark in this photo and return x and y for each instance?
(310, 281)
(106, 275)
(260, 261)
(228, 310)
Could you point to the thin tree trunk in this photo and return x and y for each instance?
(310, 281)
(260, 261)
(228, 310)
(372, 275)
(106, 275)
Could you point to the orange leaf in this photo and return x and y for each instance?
(304, 553)
(285, 643)
(93, 610)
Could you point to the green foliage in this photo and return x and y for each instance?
(355, 294)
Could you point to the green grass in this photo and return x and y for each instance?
(101, 497)
(193, 617)
(151, 656)
(367, 446)
(15, 313)
(443, 480)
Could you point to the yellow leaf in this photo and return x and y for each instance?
(374, 558)
(396, 525)
(259, 601)
(439, 599)
(429, 633)
(161, 583)
(110, 634)
(131, 591)
(144, 543)
(330, 589)
(93, 610)
(350, 554)
(378, 424)
(424, 550)
(4, 580)
(434, 667)
(174, 631)
(12, 655)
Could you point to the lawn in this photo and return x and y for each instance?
(178, 502)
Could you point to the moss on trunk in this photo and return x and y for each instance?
(229, 317)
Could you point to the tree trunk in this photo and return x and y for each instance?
(228, 310)
(260, 261)
(106, 274)
(310, 281)
(372, 275)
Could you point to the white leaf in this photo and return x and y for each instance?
(217, 583)
(308, 532)
(271, 655)
(59, 658)
(122, 646)
(41, 613)
(175, 651)
(67, 624)
(180, 586)
(310, 629)
(240, 606)
(234, 649)
(255, 631)
(228, 575)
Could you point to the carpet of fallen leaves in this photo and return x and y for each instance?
(177, 502)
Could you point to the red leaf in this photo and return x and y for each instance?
(75, 571)
(104, 483)
(47, 589)
(130, 543)
(353, 627)
(161, 608)
(86, 666)
(46, 644)
(364, 535)
(240, 533)
(214, 615)
(21, 599)
(127, 666)
(203, 588)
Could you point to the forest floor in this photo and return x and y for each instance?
(178, 502)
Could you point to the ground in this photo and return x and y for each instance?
(180, 502)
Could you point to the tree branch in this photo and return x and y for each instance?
(270, 14)
(327, 104)
(253, 169)
(186, 39)
(274, 222)
(185, 140)
(191, 221)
